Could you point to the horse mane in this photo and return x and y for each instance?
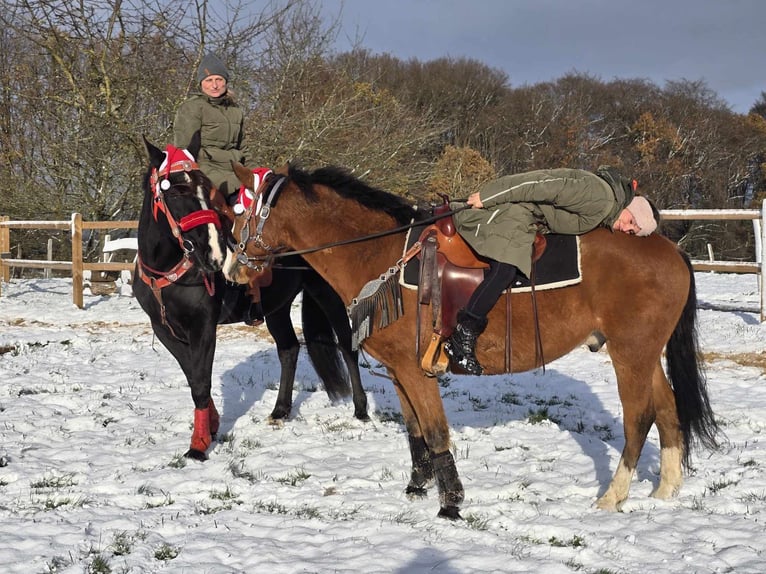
(345, 184)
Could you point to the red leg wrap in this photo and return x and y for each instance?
(201, 438)
(215, 419)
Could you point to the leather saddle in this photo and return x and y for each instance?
(450, 271)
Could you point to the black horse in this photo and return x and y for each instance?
(181, 247)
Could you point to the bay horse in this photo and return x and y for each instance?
(636, 293)
(181, 247)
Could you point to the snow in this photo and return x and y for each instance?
(95, 417)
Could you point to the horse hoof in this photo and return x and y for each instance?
(278, 415)
(363, 416)
(195, 454)
(450, 513)
(415, 492)
(276, 422)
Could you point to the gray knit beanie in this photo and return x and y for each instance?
(211, 66)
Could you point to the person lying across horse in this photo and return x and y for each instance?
(507, 213)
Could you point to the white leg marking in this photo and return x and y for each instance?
(618, 489)
(671, 476)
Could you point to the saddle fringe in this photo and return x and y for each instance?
(379, 299)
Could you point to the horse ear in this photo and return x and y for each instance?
(195, 144)
(244, 174)
(156, 155)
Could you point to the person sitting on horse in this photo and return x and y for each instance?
(214, 112)
(220, 120)
(509, 211)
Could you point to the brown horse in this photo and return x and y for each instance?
(637, 294)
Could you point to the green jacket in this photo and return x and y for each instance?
(220, 121)
(567, 201)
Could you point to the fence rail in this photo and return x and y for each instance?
(77, 265)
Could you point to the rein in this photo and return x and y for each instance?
(265, 211)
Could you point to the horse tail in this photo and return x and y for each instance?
(323, 349)
(687, 376)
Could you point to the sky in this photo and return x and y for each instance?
(721, 42)
(95, 416)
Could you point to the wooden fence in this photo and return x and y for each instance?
(77, 266)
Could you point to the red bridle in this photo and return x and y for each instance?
(174, 164)
(176, 161)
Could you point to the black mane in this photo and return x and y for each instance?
(351, 187)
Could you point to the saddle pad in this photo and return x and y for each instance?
(558, 267)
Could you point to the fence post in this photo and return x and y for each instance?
(5, 247)
(49, 252)
(77, 260)
(760, 242)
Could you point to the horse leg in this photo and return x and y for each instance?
(671, 438)
(427, 428)
(351, 359)
(317, 292)
(206, 417)
(638, 417)
(196, 362)
(422, 474)
(322, 348)
(288, 347)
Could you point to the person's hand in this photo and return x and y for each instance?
(475, 201)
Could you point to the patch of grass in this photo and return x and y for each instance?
(404, 517)
(721, 484)
(226, 494)
(477, 521)
(540, 415)
(309, 512)
(753, 497)
(53, 482)
(27, 392)
(386, 474)
(605, 432)
(122, 543)
(294, 478)
(511, 399)
(52, 503)
(166, 552)
(250, 444)
(757, 360)
(336, 426)
(574, 542)
(59, 563)
(99, 565)
(239, 471)
(478, 404)
(390, 417)
(178, 461)
(270, 507)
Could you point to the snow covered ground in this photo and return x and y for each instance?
(95, 416)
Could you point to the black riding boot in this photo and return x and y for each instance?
(472, 320)
(461, 345)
